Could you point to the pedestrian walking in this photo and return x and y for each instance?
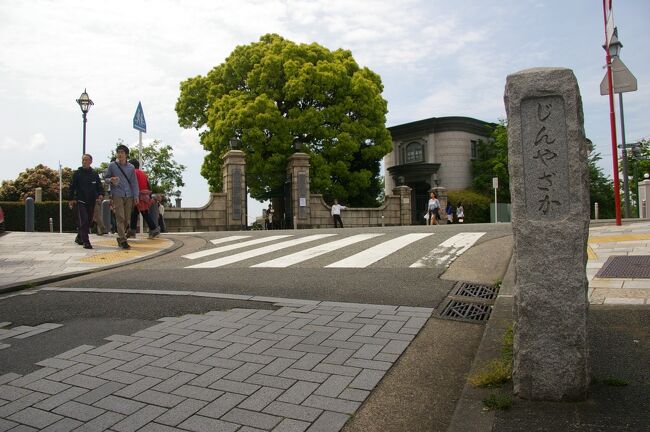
(460, 213)
(449, 210)
(160, 200)
(99, 220)
(433, 209)
(124, 192)
(144, 202)
(269, 217)
(85, 189)
(336, 213)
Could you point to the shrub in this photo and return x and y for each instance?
(476, 206)
(43, 211)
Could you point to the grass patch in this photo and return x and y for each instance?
(498, 371)
(498, 402)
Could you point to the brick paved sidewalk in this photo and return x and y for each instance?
(604, 242)
(306, 366)
(27, 257)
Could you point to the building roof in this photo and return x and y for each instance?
(442, 124)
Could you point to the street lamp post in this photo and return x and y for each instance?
(84, 103)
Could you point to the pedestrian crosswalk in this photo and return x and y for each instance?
(336, 250)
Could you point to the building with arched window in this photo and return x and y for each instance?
(433, 152)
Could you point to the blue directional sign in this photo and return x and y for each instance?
(139, 122)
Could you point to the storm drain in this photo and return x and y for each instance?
(474, 290)
(466, 311)
(633, 267)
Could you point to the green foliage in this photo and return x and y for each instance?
(638, 165)
(476, 206)
(612, 382)
(43, 211)
(601, 188)
(164, 173)
(498, 371)
(275, 94)
(40, 176)
(498, 402)
(492, 161)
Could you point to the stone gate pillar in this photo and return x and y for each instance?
(405, 214)
(549, 188)
(644, 199)
(234, 186)
(298, 172)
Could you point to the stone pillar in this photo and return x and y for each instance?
(549, 188)
(404, 194)
(298, 171)
(441, 194)
(234, 186)
(38, 194)
(644, 199)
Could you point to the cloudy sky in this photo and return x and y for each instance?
(436, 58)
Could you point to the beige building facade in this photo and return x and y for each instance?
(435, 152)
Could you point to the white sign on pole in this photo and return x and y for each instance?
(495, 182)
(623, 79)
(139, 122)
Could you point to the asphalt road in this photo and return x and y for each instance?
(88, 318)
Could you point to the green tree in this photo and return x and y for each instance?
(164, 173)
(638, 165)
(492, 161)
(601, 187)
(274, 95)
(40, 176)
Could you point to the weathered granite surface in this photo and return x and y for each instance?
(549, 186)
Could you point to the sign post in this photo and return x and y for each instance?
(495, 186)
(140, 124)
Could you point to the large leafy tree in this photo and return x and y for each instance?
(273, 96)
(40, 176)
(164, 173)
(601, 187)
(492, 161)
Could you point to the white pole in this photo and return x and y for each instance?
(495, 206)
(60, 199)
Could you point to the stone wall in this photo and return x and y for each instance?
(211, 217)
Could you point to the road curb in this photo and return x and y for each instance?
(19, 286)
(470, 414)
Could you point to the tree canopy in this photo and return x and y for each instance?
(275, 95)
(40, 176)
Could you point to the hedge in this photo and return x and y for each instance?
(43, 211)
(476, 206)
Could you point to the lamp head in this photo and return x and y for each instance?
(84, 102)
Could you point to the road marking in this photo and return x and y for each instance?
(375, 253)
(228, 239)
(207, 252)
(304, 255)
(257, 252)
(449, 250)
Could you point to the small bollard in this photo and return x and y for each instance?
(382, 220)
(596, 210)
(295, 222)
(106, 214)
(644, 208)
(29, 214)
(51, 225)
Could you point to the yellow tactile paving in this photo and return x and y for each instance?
(591, 254)
(138, 248)
(619, 238)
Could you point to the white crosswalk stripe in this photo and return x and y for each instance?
(228, 239)
(449, 250)
(213, 251)
(307, 254)
(257, 252)
(375, 253)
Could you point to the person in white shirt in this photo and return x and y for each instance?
(336, 213)
(433, 209)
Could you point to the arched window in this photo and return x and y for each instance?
(414, 152)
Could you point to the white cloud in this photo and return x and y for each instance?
(9, 144)
(37, 142)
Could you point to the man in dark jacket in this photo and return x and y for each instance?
(86, 188)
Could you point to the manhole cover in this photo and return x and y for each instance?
(634, 266)
(474, 290)
(467, 311)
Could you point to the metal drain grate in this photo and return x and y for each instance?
(474, 290)
(633, 266)
(467, 311)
